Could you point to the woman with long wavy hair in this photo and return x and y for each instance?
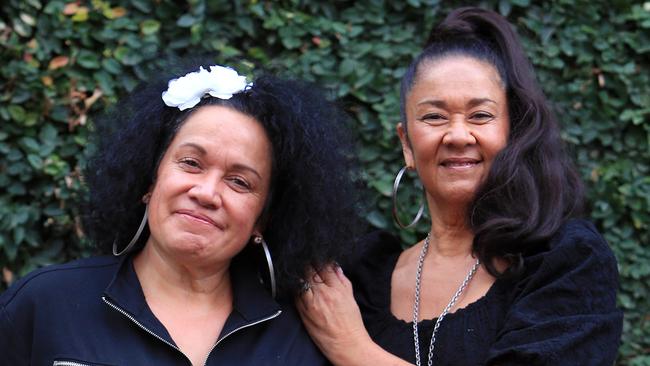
(508, 273)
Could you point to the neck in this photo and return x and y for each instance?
(166, 277)
(451, 235)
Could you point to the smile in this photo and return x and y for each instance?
(197, 217)
(460, 163)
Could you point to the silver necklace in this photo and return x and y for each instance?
(416, 303)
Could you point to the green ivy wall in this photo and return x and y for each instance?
(64, 61)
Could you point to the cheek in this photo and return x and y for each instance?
(245, 209)
(172, 180)
(424, 143)
(164, 190)
(497, 141)
(155, 206)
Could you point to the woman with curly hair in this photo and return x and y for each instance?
(508, 274)
(212, 199)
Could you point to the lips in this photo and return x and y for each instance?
(196, 216)
(461, 162)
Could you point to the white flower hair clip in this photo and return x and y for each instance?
(186, 91)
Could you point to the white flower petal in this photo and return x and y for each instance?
(186, 91)
(189, 104)
(220, 95)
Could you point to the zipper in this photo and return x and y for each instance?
(238, 329)
(74, 363)
(67, 363)
(142, 327)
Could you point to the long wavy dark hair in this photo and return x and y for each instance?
(310, 216)
(532, 187)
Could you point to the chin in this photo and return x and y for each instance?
(190, 244)
(462, 194)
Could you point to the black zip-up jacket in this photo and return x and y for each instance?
(93, 312)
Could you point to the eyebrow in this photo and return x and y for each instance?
(194, 146)
(471, 103)
(478, 101)
(203, 152)
(240, 166)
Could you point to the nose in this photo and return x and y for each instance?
(206, 193)
(459, 133)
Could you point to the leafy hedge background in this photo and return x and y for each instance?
(64, 61)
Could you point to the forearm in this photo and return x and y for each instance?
(333, 319)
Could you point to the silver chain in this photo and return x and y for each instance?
(416, 303)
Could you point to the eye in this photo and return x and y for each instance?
(189, 164)
(481, 117)
(239, 184)
(434, 118)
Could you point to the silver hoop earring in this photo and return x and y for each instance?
(135, 237)
(269, 262)
(396, 183)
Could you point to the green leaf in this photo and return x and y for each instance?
(142, 5)
(377, 220)
(347, 67)
(186, 21)
(19, 234)
(247, 25)
(149, 27)
(505, 7)
(105, 82)
(35, 161)
(48, 134)
(16, 189)
(81, 15)
(16, 112)
(30, 144)
(111, 66)
(88, 60)
(10, 248)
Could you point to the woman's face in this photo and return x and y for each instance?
(211, 187)
(457, 115)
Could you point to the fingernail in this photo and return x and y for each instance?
(317, 278)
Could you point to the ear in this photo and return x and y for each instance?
(406, 146)
(147, 196)
(257, 231)
(262, 220)
(256, 236)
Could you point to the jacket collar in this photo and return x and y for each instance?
(252, 303)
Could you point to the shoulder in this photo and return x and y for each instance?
(58, 278)
(374, 253)
(288, 340)
(580, 232)
(578, 241)
(378, 243)
(577, 257)
(563, 307)
(371, 269)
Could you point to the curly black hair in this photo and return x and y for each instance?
(310, 216)
(532, 187)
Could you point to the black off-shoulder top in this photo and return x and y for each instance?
(560, 311)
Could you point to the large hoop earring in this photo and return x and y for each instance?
(135, 238)
(396, 183)
(269, 262)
